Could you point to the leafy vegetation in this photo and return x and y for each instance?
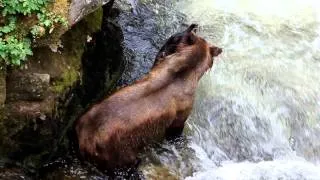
(15, 43)
(14, 51)
(24, 7)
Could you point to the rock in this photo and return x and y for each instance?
(103, 61)
(80, 8)
(144, 34)
(27, 86)
(73, 11)
(159, 172)
(31, 109)
(13, 173)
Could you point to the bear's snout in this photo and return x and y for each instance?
(218, 51)
(215, 51)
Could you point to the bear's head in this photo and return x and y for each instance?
(180, 41)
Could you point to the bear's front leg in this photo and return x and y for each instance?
(176, 128)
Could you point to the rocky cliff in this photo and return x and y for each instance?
(34, 97)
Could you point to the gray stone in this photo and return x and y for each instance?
(27, 86)
(80, 8)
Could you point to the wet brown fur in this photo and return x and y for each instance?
(113, 132)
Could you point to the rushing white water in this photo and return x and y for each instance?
(257, 112)
(283, 169)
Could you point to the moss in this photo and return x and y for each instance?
(69, 77)
(94, 20)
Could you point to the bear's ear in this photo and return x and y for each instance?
(191, 39)
(215, 51)
(192, 28)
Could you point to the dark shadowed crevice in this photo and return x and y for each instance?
(103, 61)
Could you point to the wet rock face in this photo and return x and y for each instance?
(144, 33)
(132, 35)
(103, 60)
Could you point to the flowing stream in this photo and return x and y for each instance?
(257, 112)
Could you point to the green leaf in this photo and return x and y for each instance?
(15, 47)
(47, 23)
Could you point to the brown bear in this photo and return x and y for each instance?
(114, 131)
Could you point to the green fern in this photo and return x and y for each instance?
(14, 46)
(25, 7)
(14, 51)
(9, 27)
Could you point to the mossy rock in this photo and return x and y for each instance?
(30, 127)
(27, 86)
